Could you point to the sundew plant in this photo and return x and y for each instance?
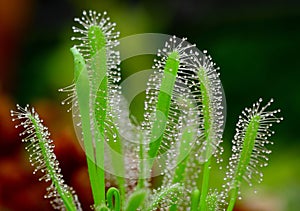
(179, 137)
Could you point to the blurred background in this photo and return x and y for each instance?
(255, 43)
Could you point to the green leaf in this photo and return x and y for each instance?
(113, 199)
(249, 151)
(136, 199)
(98, 98)
(209, 87)
(163, 102)
(161, 106)
(195, 197)
(165, 197)
(43, 158)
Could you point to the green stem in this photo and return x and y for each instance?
(205, 185)
(233, 197)
(186, 140)
(100, 171)
(141, 182)
(117, 161)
